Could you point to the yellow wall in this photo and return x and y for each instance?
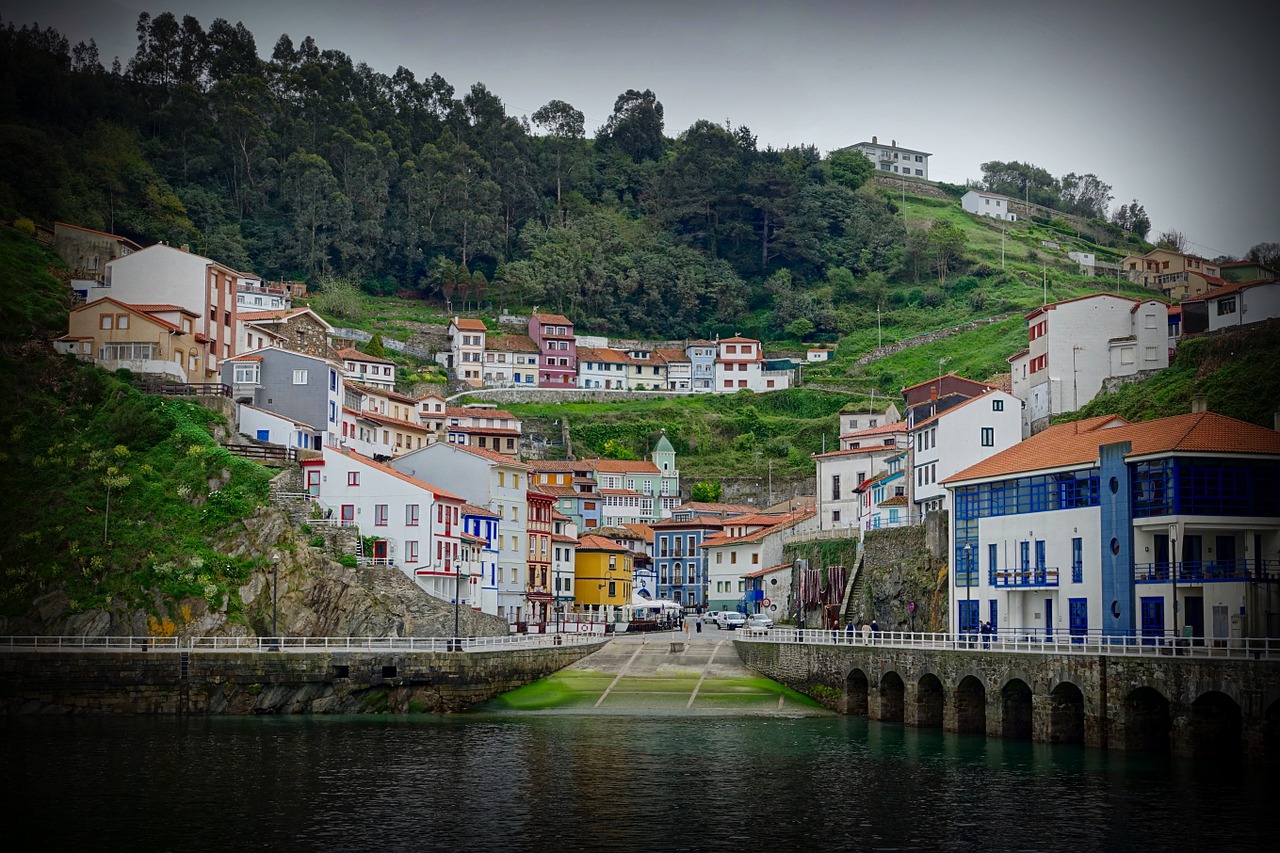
(591, 568)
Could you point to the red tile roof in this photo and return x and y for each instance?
(387, 469)
(1077, 443)
(592, 542)
(162, 308)
(485, 453)
(883, 429)
(468, 324)
(356, 355)
(479, 511)
(553, 318)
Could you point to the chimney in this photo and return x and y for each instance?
(1199, 404)
(1275, 421)
(933, 392)
(186, 247)
(893, 142)
(873, 141)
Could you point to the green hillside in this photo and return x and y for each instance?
(73, 436)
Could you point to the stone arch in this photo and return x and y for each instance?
(1271, 732)
(855, 692)
(1146, 720)
(891, 697)
(971, 705)
(929, 701)
(1216, 726)
(1015, 710)
(1066, 714)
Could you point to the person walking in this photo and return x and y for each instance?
(866, 633)
(698, 625)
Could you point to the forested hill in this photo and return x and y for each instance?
(311, 163)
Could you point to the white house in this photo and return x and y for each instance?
(482, 524)
(740, 364)
(165, 275)
(415, 525)
(492, 481)
(367, 369)
(745, 545)
(855, 421)
(1100, 526)
(467, 350)
(1237, 304)
(679, 369)
(982, 203)
(893, 159)
(702, 365)
(840, 473)
(1077, 343)
(602, 368)
(957, 438)
(275, 429)
(511, 360)
(253, 295)
(819, 355)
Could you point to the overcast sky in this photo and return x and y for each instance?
(1173, 103)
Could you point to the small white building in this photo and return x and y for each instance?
(957, 438)
(819, 355)
(368, 369)
(851, 422)
(1238, 304)
(841, 472)
(981, 203)
(492, 481)
(746, 545)
(1077, 343)
(415, 526)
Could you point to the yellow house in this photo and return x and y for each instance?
(601, 575)
(152, 339)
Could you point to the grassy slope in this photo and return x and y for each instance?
(69, 428)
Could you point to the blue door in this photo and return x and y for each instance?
(1040, 578)
(1078, 610)
(968, 616)
(264, 435)
(1152, 619)
(1048, 617)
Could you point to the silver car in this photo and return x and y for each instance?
(759, 620)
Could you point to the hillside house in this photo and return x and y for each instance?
(1178, 275)
(154, 340)
(557, 349)
(892, 159)
(511, 360)
(300, 329)
(467, 350)
(368, 369)
(1232, 306)
(981, 203)
(87, 253)
(303, 388)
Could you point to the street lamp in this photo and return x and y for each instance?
(457, 594)
(968, 551)
(275, 588)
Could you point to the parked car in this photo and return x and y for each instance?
(759, 620)
(730, 619)
(712, 616)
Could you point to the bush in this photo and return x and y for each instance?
(933, 297)
(977, 300)
(26, 226)
(348, 560)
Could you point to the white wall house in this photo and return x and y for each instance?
(740, 364)
(894, 160)
(1074, 345)
(855, 421)
(415, 525)
(510, 360)
(492, 481)
(165, 275)
(1099, 526)
(982, 203)
(270, 427)
(467, 349)
(1242, 304)
(367, 369)
(955, 439)
(839, 474)
(747, 544)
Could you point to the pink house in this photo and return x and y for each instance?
(558, 354)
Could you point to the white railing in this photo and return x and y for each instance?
(1007, 641)
(294, 644)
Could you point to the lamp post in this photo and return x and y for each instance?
(1173, 576)
(968, 552)
(457, 595)
(275, 588)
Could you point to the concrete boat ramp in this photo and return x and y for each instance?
(662, 673)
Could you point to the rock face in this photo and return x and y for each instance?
(899, 568)
(314, 596)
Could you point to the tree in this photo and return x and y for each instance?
(375, 347)
(635, 128)
(1172, 239)
(1133, 218)
(706, 491)
(1267, 254)
(1085, 195)
(565, 132)
(850, 168)
(800, 328)
(614, 449)
(947, 242)
(338, 297)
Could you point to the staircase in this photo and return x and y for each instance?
(851, 609)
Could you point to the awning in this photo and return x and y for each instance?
(534, 595)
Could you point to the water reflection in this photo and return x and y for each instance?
(554, 783)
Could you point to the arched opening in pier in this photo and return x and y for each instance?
(855, 693)
(1271, 733)
(1216, 726)
(1146, 721)
(891, 692)
(929, 702)
(1066, 714)
(1015, 710)
(971, 706)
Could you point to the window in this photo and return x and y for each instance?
(997, 405)
(920, 172)
(835, 516)
(380, 515)
(299, 377)
(411, 515)
(122, 321)
(411, 551)
(1077, 560)
(1149, 353)
(835, 487)
(106, 321)
(1226, 305)
(353, 478)
(1126, 355)
(988, 437)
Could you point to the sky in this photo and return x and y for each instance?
(1172, 103)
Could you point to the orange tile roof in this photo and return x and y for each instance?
(387, 469)
(277, 314)
(1228, 289)
(604, 356)
(673, 355)
(1077, 443)
(474, 430)
(382, 392)
(485, 453)
(150, 308)
(553, 318)
(738, 340)
(948, 376)
(759, 573)
(643, 530)
(883, 429)
(624, 466)
(356, 355)
(592, 542)
(133, 309)
(472, 509)
(779, 524)
(468, 324)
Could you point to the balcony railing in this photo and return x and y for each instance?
(1202, 571)
(1029, 578)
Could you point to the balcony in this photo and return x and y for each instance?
(1208, 571)
(1041, 577)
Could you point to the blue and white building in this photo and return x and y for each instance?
(678, 561)
(1104, 526)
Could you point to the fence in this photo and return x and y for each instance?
(294, 644)
(186, 389)
(260, 451)
(1035, 641)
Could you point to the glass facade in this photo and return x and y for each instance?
(1200, 486)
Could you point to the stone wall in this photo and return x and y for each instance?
(1033, 696)
(239, 683)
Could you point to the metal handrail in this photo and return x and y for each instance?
(293, 644)
(1034, 641)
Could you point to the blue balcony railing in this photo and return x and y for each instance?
(1041, 576)
(1202, 571)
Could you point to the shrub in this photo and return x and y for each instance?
(348, 560)
(26, 226)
